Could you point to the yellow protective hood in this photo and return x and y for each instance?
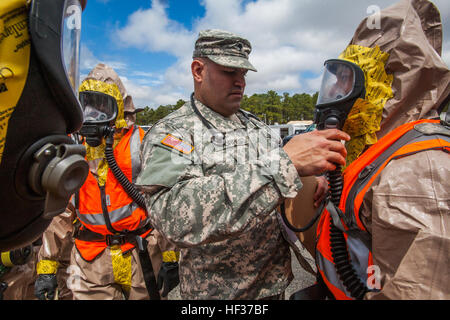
(363, 120)
(105, 80)
(407, 45)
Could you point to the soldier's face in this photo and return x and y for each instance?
(221, 88)
(343, 85)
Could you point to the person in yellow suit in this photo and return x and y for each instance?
(117, 253)
(17, 275)
(384, 233)
(53, 259)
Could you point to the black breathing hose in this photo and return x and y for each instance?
(129, 188)
(308, 225)
(336, 184)
(338, 244)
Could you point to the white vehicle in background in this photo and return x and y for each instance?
(291, 128)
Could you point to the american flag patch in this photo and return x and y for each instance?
(177, 144)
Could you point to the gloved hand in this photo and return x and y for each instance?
(168, 277)
(45, 284)
(16, 257)
(3, 287)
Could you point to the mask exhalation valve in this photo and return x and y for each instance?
(58, 172)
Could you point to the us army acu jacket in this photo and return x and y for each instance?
(213, 193)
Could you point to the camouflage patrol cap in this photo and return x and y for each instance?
(224, 48)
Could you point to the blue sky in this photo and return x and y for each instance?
(105, 17)
(149, 42)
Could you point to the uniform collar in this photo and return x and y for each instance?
(218, 121)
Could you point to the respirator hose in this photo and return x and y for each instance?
(129, 188)
(338, 244)
(336, 185)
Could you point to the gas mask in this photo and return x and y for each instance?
(100, 111)
(40, 166)
(342, 85)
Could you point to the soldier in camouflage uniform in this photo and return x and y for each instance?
(213, 176)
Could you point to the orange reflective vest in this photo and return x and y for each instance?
(358, 177)
(104, 208)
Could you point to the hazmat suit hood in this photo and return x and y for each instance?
(405, 79)
(104, 79)
(405, 209)
(130, 111)
(399, 51)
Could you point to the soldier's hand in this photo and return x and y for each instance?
(316, 152)
(45, 287)
(168, 277)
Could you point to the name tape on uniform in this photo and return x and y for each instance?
(177, 144)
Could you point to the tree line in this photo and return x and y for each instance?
(270, 107)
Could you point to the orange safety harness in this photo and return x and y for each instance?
(343, 248)
(107, 212)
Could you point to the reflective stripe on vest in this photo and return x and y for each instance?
(359, 256)
(358, 178)
(97, 219)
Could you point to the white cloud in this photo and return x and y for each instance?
(289, 37)
(87, 58)
(152, 30)
(313, 84)
(279, 82)
(145, 95)
(88, 61)
(446, 54)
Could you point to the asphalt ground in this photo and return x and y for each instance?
(302, 278)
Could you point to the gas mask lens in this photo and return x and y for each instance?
(71, 31)
(98, 107)
(342, 84)
(337, 82)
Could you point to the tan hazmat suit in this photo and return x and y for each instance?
(112, 274)
(21, 278)
(407, 208)
(57, 244)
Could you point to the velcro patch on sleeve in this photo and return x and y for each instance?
(177, 144)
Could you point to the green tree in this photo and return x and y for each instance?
(150, 116)
(270, 107)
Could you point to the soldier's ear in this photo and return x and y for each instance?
(197, 68)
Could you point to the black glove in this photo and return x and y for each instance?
(21, 256)
(16, 257)
(3, 287)
(45, 284)
(168, 276)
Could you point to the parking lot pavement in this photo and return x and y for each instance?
(302, 278)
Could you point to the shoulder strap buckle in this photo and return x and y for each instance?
(428, 128)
